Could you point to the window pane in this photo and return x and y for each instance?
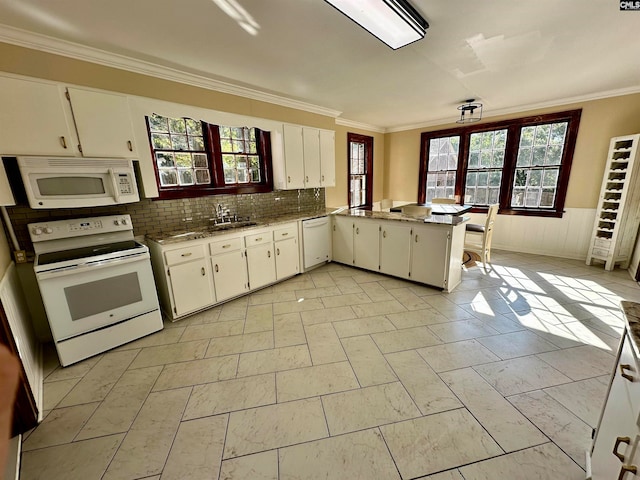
(179, 142)
(535, 178)
(433, 163)
(532, 197)
(550, 177)
(186, 176)
(558, 132)
(524, 157)
(472, 178)
(177, 125)
(517, 199)
(200, 160)
(548, 197)
(493, 196)
(542, 134)
(168, 177)
(193, 127)
(202, 176)
(158, 123)
(183, 160)
(539, 154)
(494, 178)
(164, 159)
(554, 155)
(237, 133)
(474, 160)
(196, 143)
(229, 176)
(520, 179)
(526, 136)
(161, 141)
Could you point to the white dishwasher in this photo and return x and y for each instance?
(316, 241)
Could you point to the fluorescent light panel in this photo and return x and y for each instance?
(394, 22)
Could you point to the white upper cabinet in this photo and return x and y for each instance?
(311, 148)
(327, 158)
(103, 122)
(293, 157)
(34, 119)
(308, 158)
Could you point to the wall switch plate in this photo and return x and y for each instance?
(20, 256)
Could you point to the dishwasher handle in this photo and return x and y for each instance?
(315, 223)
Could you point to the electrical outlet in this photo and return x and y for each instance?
(20, 256)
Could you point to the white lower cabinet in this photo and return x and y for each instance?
(429, 246)
(366, 244)
(262, 265)
(287, 258)
(429, 253)
(616, 443)
(395, 249)
(194, 275)
(342, 238)
(191, 286)
(230, 275)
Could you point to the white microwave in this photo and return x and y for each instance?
(59, 182)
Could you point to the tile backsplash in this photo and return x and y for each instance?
(161, 216)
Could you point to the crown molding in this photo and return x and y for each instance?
(44, 43)
(359, 125)
(524, 108)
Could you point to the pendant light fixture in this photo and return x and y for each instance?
(470, 111)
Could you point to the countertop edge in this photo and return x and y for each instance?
(631, 311)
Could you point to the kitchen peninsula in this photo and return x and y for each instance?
(422, 249)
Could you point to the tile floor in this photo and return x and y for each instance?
(345, 374)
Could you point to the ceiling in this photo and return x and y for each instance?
(509, 55)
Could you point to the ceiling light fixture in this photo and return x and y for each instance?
(470, 111)
(394, 22)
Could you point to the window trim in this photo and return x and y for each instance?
(513, 127)
(211, 135)
(368, 168)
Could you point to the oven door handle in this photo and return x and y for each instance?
(90, 266)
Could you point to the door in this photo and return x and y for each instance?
(360, 165)
(35, 119)
(229, 275)
(328, 158)
(395, 249)
(287, 258)
(261, 265)
(366, 244)
(311, 147)
(293, 156)
(342, 240)
(80, 300)
(108, 134)
(430, 255)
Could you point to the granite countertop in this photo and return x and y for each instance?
(631, 312)
(430, 219)
(196, 232)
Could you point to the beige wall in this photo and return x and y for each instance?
(337, 197)
(601, 120)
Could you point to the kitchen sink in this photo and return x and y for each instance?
(230, 226)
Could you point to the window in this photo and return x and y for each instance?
(194, 158)
(522, 164)
(360, 149)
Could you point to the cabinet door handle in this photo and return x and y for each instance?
(63, 142)
(258, 239)
(620, 440)
(416, 238)
(285, 234)
(269, 253)
(217, 268)
(624, 367)
(627, 468)
(186, 254)
(306, 179)
(384, 234)
(277, 251)
(130, 145)
(202, 271)
(226, 246)
(323, 178)
(357, 230)
(289, 179)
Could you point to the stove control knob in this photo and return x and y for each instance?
(37, 231)
(48, 230)
(116, 222)
(123, 221)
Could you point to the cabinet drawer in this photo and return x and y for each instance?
(227, 245)
(602, 243)
(600, 252)
(290, 231)
(257, 239)
(172, 257)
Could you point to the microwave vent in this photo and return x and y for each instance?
(75, 162)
